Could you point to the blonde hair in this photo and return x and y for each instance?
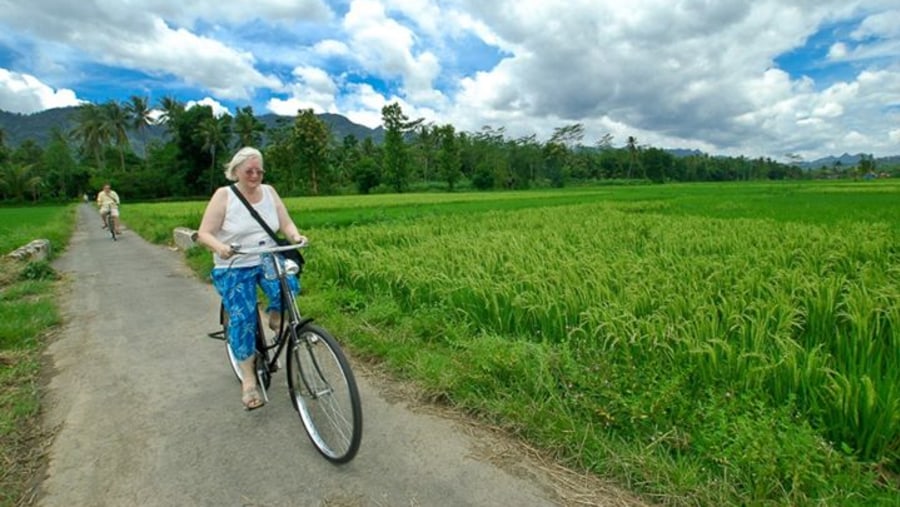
(244, 154)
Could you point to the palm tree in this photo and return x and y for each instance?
(632, 145)
(17, 179)
(2, 146)
(248, 129)
(91, 131)
(139, 117)
(172, 110)
(117, 123)
(214, 132)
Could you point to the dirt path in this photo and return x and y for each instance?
(145, 411)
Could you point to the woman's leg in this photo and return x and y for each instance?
(237, 287)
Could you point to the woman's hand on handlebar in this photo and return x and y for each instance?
(299, 240)
(224, 251)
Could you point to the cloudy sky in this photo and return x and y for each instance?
(752, 77)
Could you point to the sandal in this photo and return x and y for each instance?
(251, 399)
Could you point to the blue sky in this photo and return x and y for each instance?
(762, 78)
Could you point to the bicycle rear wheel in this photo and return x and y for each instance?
(324, 393)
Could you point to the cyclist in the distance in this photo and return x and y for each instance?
(108, 202)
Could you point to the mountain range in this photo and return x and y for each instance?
(38, 126)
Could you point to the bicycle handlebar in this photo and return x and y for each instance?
(240, 250)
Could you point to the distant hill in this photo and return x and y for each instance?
(38, 126)
(848, 160)
(683, 152)
(19, 127)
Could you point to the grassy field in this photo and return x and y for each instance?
(28, 313)
(701, 344)
(707, 344)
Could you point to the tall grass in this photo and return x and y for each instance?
(28, 311)
(18, 226)
(704, 343)
(795, 312)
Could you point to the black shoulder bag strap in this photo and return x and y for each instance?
(293, 255)
(253, 212)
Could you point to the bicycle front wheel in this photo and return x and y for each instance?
(324, 393)
(110, 224)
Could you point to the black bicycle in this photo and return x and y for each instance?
(320, 382)
(111, 224)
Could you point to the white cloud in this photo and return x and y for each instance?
(882, 24)
(189, 13)
(218, 109)
(363, 105)
(23, 93)
(829, 110)
(313, 89)
(117, 35)
(683, 74)
(837, 51)
(386, 48)
(331, 48)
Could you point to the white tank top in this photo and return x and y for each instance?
(240, 227)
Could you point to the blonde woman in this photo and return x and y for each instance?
(227, 221)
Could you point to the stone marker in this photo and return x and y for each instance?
(37, 250)
(185, 238)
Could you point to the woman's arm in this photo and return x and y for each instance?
(212, 221)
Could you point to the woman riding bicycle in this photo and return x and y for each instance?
(108, 202)
(227, 221)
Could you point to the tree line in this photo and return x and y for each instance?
(303, 157)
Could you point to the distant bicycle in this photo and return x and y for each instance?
(111, 225)
(321, 384)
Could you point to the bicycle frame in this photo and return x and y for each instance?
(288, 305)
(320, 381)
(110, 224)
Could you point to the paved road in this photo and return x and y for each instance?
(145, 409)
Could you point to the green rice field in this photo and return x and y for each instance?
(28, 314)
(703, 344)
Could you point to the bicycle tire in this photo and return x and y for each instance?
(324, 393)
(110, 224)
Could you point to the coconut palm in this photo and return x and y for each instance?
(215, 134)
(247, 128)
(139, 117)
(16, 179)
(632, 145)
(172, 110)
(91, 131)
(116, 119)
(2, 145)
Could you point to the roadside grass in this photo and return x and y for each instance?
(715, 344)
(28, 315)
